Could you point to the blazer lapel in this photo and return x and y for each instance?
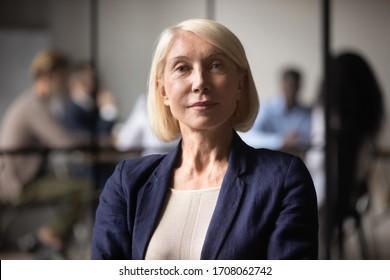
(228, 202)
(150, 201)
(225, 210)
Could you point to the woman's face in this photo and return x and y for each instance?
(201, 85)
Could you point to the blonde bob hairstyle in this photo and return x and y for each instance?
(162, 122)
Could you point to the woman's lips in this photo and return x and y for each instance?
(204, 105)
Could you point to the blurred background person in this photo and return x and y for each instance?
(89, 108)
(356, 120)
(136, 133)
(29, 125)
(283, 123)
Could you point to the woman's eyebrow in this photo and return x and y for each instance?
(210, 55)
(179, 57)
(216, 53)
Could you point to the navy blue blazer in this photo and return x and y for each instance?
(266, 209)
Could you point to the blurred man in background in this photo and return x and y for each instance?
(89, 108)
(283, 123)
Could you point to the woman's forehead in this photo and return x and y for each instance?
(188, 44)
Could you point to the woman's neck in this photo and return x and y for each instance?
(204, 160)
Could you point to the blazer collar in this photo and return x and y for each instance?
(152, 199)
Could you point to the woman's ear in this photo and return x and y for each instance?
(241, 84)
(163, 94)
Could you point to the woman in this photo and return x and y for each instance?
(213, 197)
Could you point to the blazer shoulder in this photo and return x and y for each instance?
(276, 162)
(267, 156)
(140, 165)
(257, 160)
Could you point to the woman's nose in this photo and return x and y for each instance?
(201, 82)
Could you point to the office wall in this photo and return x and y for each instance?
(69, 27)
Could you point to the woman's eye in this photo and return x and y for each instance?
(181, 68)
(216, 65)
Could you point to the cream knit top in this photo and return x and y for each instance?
(182, 228)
